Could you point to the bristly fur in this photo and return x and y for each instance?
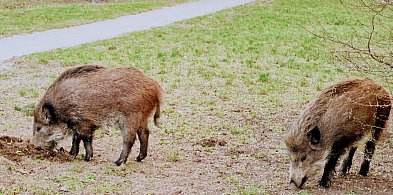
(86, 98)
(346, 115)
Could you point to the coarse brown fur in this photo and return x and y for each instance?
(86, 98)
(342, 117)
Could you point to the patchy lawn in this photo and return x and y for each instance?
(234, 82)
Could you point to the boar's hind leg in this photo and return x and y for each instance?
(369, 152)
(143, 135)
(347, 162)
(129, 137)
(88, 147)
(380, 123)
(76, 140)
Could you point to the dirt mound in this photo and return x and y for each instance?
(15, 149)
(212, 142)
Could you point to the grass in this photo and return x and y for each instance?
(71, 183)
(7, 125)
(31, 92)
(229, 43)
(23, 17)
(105, 188)
(28, 110)
(237, 75)
(76, 167)
(11, 190)
(252, 190)
(119, 171)
(173, 156)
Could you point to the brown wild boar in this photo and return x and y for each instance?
(86, 98)
(341, 118)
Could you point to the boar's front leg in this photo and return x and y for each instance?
(337, 150)
(76, 140)
(87, 140)
(328, 171)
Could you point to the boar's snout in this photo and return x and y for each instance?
(43, 145)
(295, 185)
(33, 141)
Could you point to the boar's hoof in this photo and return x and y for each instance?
(120, 161)
(140, 158)
(324, 183)
(362, 172)
(88, 157)
(73, 152)
(364, 168)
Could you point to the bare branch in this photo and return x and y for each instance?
(369, 48)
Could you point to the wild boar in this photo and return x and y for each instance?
(86, 98)
(341, 118)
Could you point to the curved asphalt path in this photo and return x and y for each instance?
(68, 37)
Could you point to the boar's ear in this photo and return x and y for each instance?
(314, 138)
(48, 112)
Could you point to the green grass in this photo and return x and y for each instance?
(25, 19)
(7, 125)
(77, 167)
(31, 92)
(252, 190)
(28, 110)
(246, 190)
(105, 188)
(173, 156)
(71, 183)
(262, 49)
(12, 190)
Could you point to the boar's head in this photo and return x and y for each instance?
(307, 156)
(47, 130)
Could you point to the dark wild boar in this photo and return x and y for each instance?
(86, 98)
(342, 118)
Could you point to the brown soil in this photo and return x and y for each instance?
(15, 149)
(212, 142)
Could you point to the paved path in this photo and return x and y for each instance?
(68, 37)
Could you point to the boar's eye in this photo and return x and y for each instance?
(38, 128)
(303, 158)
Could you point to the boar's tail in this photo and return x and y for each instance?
(157, 113)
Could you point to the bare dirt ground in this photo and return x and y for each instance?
(195, 161)
(14, 149)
